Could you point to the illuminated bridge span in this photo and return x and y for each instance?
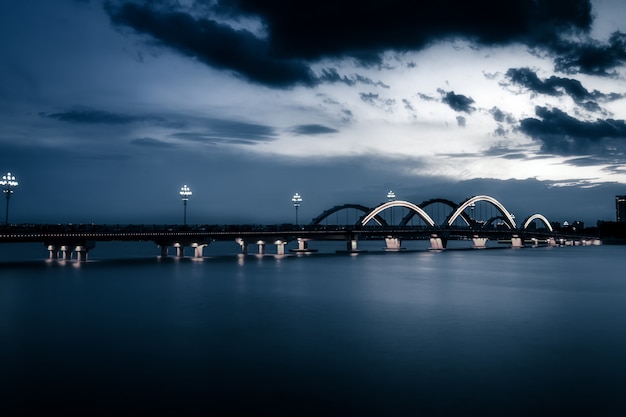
(468, 220)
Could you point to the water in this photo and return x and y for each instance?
(533, 331)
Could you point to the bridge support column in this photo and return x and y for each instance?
(280, 247)
(552, 242)
(517, 242)
(479, 242)
(66, 252)
(437, 243)
(54, 252)
(261, 245)
(180, 250)
(198, 249)
(81, 253)
(303, 244)
(164, 251)
(243, 244)
(393, 243)
(352, 245)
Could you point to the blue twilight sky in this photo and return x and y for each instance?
(108, 107)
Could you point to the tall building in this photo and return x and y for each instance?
(620, 208)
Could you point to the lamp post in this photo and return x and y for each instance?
(8, 183)
(296, 199)
(391, 196)
(185, 193)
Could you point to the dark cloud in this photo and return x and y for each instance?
(461, 121)
(590, 57)
(557, 86)
(313, 129)
(457, 102)
(375, 100)
(94, 117)
(563, 134)
(501, 116)
(295, 36)
(218, 131)
(152, 143)
(331, 75)
(426, 97)
(215, 44)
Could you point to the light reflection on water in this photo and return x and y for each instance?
(488, 332)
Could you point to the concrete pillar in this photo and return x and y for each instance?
(280, 247)
(81, 253)
(303, 244)
(352, 245)
(479, 242)
(261, 245)
(552, 242)
(393, 243)
(180, 250)
(66, 252)
(198, 248)
(517, 242)
(54, 252)
(437, 243)
(164, 251)
(243, 244)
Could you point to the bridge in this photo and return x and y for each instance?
(459, 222)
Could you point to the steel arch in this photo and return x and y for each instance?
(333, 210)
(537, 216)
(406, 219)
(398, 203)
(508, 218)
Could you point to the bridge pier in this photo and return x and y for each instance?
(517, 242)
(303, 247)
(393, 243)
(261, 246)
(438, 243)
(53, 252)
(243, 244)
(198, 249)
(479, 242)
(280, 247)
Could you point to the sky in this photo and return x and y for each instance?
(108, 107)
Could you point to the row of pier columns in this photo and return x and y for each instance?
(198, 248)
(66, 251)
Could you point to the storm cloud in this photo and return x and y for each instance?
(294, 36)
(560, 133)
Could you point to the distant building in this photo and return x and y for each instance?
(620, 208)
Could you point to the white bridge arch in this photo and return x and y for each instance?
(508, 218)
(399, 203)
(537, 216)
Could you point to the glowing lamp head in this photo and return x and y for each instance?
(391, 195)
(296, 199)
(8, 182)
(185, 192)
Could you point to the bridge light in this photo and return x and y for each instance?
(8, 182)
(185, 193)
(391, 196)
(296, 200)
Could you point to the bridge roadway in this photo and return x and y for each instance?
(64, 240)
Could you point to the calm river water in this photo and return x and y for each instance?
(533, 331)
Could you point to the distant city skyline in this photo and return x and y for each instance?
(109, 107)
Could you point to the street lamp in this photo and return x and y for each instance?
(391, 196)
(296, 199)
(8, 182)
(185, 193)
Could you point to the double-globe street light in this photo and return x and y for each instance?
(8, 183)
(185, 193)
(296, 200)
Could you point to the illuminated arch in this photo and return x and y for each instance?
(537, 216)
(333, 210)
(508, 218)
(493, 219)
(406, 219)
(400, 203)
